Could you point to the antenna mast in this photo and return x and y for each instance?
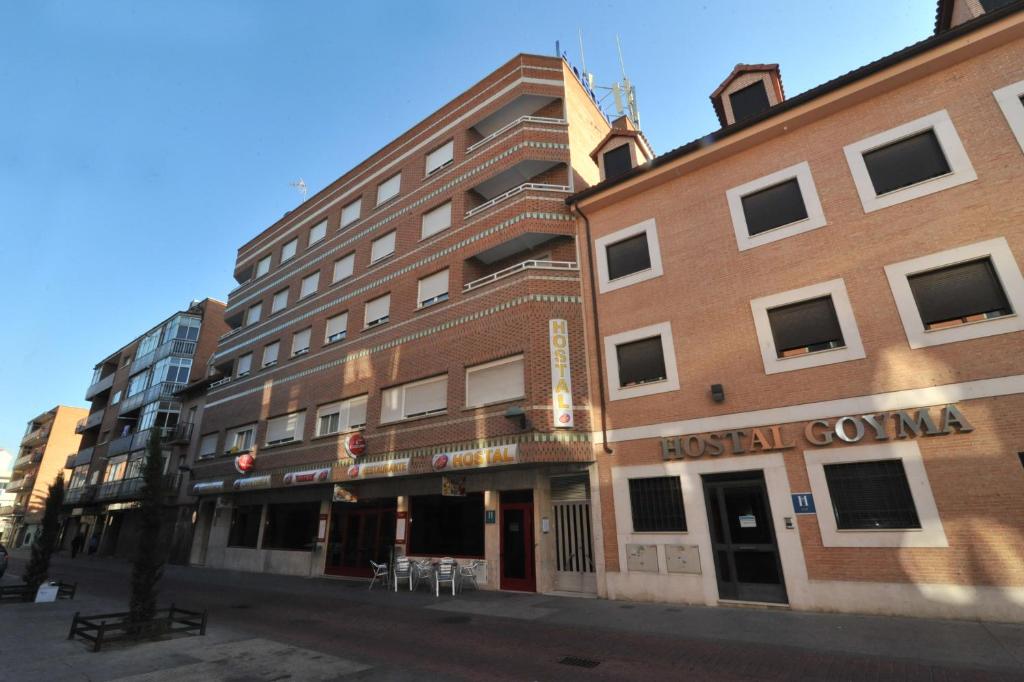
(623, 92)
(300, 186)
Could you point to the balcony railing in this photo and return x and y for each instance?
(93, 420)
(119, 445)
(18, 484)
(526, 186)
(141, 438)
(520, 267)
(508, 126)
(36, 436)
(83, 456)
(30, 458)
(80, 495)
(100, 386)
(162, 391)
(182, 433)
(131, 488)
(179, 347)
(9, 509)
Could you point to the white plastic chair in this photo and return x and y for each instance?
(467, 572)
(403, 570)
(445, 573)
(380, 572)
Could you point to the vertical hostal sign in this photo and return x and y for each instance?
(561, 379)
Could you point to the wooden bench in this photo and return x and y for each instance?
(108, 627)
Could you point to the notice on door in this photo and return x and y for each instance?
(748, 521)
(561, 376)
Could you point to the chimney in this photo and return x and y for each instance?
(748, 91)
(622, 149)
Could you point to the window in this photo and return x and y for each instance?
(289, 249)
(280, 301)
(350, 213)
(964, 293)
(440, 157)
(241, 439)
(252, 315)
(495, 382)
(346, 415)
(871, 495)
(245, 526)
(446, 526)
(172, 370)
(343, 267)
(749, 101)
(138, 383)
(377, 311)
(416, 399)
(291, 526)
(337, 327)
(1011, 101)
(910, 161)
(300, 342)
(657, 505)
(436, 220)
(309, 284)
(244, 365)
(115, 468)
(208, 445)
(628, 256)
(617, 162)
(317, 232)
(433, 289)
(776, 206)
(116, 398)
(263, 266)
(382, 247)
(270, 354)
(184, 327)
(389, 188)
(807, 327)
(286, 428)
(641, 362)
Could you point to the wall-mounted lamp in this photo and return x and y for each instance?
(717, 393)
(516, 413)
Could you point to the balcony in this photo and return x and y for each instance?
(179, 347)
(36, 436)
(537, 120)
(181, 435)
(508, 194)
(30, 458)
(119, 445)
(131, 488)
(83, 456)
(19, 484)
(100, 386)
(505, 117)
(521, 267)
(9, 510)
(92, 421)
(162, 391)
(83, 494)
(141, 438)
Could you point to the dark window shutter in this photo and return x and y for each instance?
(958, 291)
(805, 325)
(628, 256)
(773, 207)
(907, 162)
(871, 495)
(617, 162)
(657, 504)
(640, 361)
(749, 101)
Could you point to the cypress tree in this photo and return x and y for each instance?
(38, 568)
(149, 562)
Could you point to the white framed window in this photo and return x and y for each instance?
(495, 382)
(432, 289)
(415, 399)
(389, 189)
(244, 365)
(844, 522)
(440, 157)
(377, 311)
(1011, 101)
(270, 353)
(782, 204)
(286, 428)
(208, 445)
(346, 415)
(289, 249)
(806, 327)
(309, 284)
(628, 256)
(909, 161)
(279, 302)
(300, 342)
(382, 247)
(964, 293)
(641, 362)
(262, 266)
(350, 213)
(252, 315)
(337, 328)
(241, 438)
(318, 232)
(436, 220)
(343, 267)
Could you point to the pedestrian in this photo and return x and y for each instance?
(77, 543)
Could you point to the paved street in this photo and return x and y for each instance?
(266, 627)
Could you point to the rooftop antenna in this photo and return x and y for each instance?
(300, 186)
(623, 92)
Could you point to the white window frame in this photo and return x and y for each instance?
(450, 147)
(343, 332)
(520, 358)
(341, 407)
(299, 432)
(424, 234)
(274, 307)
(252, 318)
(346, 214)
(239, 372)
(277, 355)
(393, 236)
(1007, 270)
(202, 454)
(434, 300)
(404, 388)
(668, 351)
(961, 170)
(382, 320)
(931, 533)
(318, 232)
(296, 352)
(315, 279)
(351, 258)
(398, 189)
(800, 172)
(836, 288)
(232, 437)
(293, 246)
(263, 263)
(601, 244)
(1009, 101)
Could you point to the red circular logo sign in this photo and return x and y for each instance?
(564, 418)
(353, 471)
(440, 462)
(356, 445)
(322, 475)
(244, 463)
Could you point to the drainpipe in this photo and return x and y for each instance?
(597, 331)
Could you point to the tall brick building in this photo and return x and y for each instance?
(823, 410)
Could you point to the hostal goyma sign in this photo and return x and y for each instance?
(561, 378)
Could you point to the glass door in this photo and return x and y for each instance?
(517, 564)
(358, 535)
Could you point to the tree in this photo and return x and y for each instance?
(149, 561)
(38, 569)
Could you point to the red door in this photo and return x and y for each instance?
(359, 535)
(517, 563)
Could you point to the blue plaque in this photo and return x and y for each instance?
(803, 503)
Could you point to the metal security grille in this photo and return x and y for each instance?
(573, 544)
(657, 504)
(871, 495)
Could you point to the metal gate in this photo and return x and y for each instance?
(574, 553)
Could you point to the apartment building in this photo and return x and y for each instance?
(824, 409)
(6, 498)
(49, 439)
(405, 370)
(133, 392)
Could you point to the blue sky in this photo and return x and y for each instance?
(142, 142)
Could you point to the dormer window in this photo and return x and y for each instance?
(749, 91)
(749, 101)
(617, 162)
